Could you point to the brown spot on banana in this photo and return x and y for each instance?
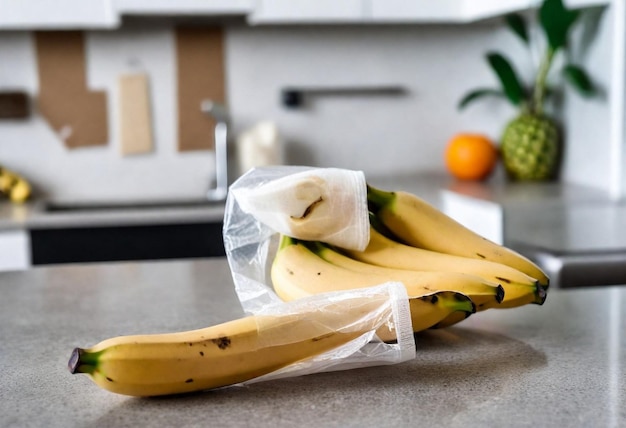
(222, 342)
(323, 336)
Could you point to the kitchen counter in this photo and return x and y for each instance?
(40, 214)
(46, 232)
(561, 364)
(52, 231)
(51, 214)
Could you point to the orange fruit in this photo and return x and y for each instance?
(471, 156)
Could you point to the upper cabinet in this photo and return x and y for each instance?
(183, 7)
(77, 14)
(47, 14)
(308, 11)
(454, 11)
(391, 11)
(86, 14)
(442, 10)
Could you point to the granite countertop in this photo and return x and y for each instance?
(561, 364)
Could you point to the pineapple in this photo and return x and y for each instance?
(531, 143)
(530, 148)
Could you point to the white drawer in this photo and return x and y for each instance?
(14, 250)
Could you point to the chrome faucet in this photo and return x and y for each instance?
(220, 114)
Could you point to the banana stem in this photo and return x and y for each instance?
(285, 241)
(378, 199)
(540, 83)
(82, 361)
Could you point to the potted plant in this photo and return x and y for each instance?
(531, 143)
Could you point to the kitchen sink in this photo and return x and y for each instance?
(70, 207)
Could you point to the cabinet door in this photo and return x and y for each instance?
(417, 10)
(14, 250)
(303, 11)
(35, 14)
(183, 7)
(459, 11)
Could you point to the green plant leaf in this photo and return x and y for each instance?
(479, 93)
(517, 24)
(556, 21)
(579, 79)
(508, 78)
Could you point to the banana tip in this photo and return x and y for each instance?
(500, 294)
(74, 363)
(541, 294)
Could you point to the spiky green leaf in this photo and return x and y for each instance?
(579, 79)
(517, 24)
(479, 93)
(511, 84)
(556, 20)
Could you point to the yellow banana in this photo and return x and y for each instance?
(420, 224)
(297, 272)
(224, 354)
(519, 288)
(483, 293)
(14, 186)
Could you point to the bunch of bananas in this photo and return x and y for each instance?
(13, 186)
(414, 243)
(449, 273)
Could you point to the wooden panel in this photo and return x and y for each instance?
(135, 116)
(14, 105)
(200, 65)
(79, 116)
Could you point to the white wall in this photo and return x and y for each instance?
(587, 122)
(101, 173)
(394, 134)
(380, 135)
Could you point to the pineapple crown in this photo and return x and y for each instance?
(555, 21)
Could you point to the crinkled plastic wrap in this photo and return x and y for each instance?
(250, 248)
(316, 204)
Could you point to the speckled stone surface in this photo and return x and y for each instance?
(559, 365)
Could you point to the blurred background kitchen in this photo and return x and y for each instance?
(116, 112)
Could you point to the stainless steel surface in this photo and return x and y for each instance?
(582, 244)
(220, 114)
(86, 207)
(579, 269)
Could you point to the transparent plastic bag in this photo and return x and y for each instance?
(250, 248)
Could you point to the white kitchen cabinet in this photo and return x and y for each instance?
(454, 11)
(391, 11)
(86, 14)
(105, 14)
(308, 11)
(183, 7)
(57, 14)
(14, 250)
